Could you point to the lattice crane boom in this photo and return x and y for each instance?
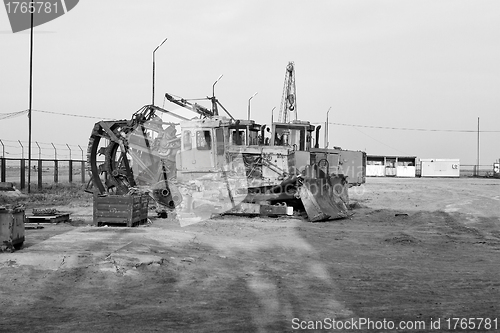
(288, 108)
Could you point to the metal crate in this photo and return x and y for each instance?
(11, 228)
(118, 210)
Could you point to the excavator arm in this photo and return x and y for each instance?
(202, 111)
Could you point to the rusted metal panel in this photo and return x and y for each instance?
(11, 228)
(324, 198)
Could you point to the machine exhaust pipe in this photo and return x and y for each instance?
(316, 145)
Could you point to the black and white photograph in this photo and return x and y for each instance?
(250, 166)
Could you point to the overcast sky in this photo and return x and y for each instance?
(404, 64)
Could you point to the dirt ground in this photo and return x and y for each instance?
(236, 274)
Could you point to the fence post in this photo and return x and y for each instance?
(56, 168)
(69, 151)
(22, 148)
(56, 172)
(2, 169)
(81, 151)
(70, 165)
(23, 174)
(70, 171)
(55, 151)
(40, 169)
(2, 165)
(39, 151)
(82, 170)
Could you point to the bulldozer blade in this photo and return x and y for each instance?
(324, 198)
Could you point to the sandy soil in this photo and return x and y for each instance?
(235, 274)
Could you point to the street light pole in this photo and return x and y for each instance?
(249, 104)
(214, 103)
(31, 98)
(477, 168)
(153, 98)
(326, 128)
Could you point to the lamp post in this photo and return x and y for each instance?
(477, 168)
(249, 104)
(326, 128)
(153, 98)
(214, 103)
(31, 99)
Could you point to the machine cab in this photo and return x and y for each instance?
(244, 133)
(202, 145)
(296, 135)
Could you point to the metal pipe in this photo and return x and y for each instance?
(153, 97)
(3, 149)
(316, 144)
(223, 108)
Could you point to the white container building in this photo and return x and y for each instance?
(390, 166)
(440, 167)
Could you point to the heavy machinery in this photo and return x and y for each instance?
(216, 164)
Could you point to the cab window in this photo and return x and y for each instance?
(187, 144)
(219, 136)
(203, 140)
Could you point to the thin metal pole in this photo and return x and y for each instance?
(249, 104)
(249, 107)
(31, 98)
(3, 149)
(214, 103)
(477, 168)
(153, 97)
(327, 142)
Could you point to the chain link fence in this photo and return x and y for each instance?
(50, 163)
